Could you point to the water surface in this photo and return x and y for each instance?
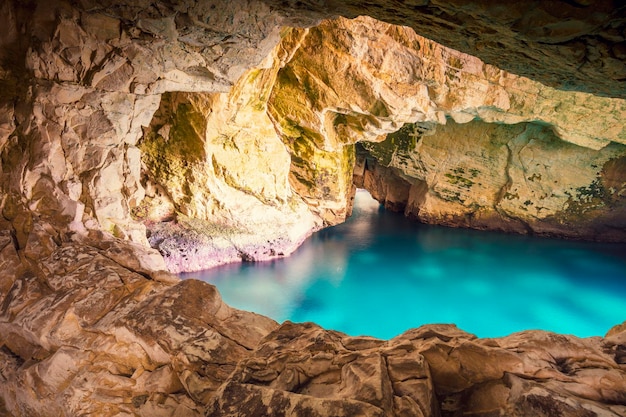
(380, 274)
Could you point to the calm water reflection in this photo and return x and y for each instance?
(380, 274)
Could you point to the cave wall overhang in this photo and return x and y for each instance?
(94, 76)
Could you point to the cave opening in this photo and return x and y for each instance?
(232, 136)
(236, 178)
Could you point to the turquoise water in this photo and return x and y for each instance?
(380, 274)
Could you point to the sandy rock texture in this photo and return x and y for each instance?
(435, 370)
(87, 331)
(217, 162)
(354, 80)
(436, 174)
(571, 45)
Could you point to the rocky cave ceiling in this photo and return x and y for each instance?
(568, 44)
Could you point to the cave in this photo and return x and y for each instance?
(412, 109)
(143, 139)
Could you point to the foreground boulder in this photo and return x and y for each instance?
(82, 332)
(436, 370)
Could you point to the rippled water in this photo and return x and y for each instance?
(380, 274)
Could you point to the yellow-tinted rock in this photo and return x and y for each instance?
(504, 177)
(222, 165)
(489, 150)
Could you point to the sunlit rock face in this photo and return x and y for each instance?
(571, 44)
(217, 163)
(513, 183)
(475, 146)
(259, 168)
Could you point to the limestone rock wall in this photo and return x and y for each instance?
(575, 45)
(354, 80)
(527, 189)
(431, 371)
(219, 165)
(475, 146)
(80, 83)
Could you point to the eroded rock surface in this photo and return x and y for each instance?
(437, 370)
(467, 144)
(267, 116)
(526, 190)
(343, 82)
(79, 84)
(219, 165)
(84, 331)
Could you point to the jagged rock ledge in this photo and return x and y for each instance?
(87, 330)
(193, 246)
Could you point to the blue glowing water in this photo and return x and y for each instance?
(380, 274)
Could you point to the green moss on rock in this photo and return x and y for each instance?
(459, 180)
(170, 160)
(402, 142)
